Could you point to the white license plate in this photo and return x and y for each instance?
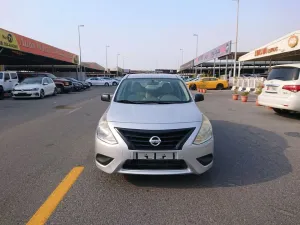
(271, 88)
(156, 155)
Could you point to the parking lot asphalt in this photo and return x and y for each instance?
(255, 178)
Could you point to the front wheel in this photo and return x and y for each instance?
(193, 87)
(90, 84)
(281, 111)
(1, 94)
(114, 83)
(106, 84)
(42, 94)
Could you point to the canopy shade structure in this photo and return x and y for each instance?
(286, 48)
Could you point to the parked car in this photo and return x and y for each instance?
(8, 80)
(282, 89)
(63, 85)
(100, 81)
(144, 138)
(34, 87)
(85, 84)
(207, 83)
(113, 82)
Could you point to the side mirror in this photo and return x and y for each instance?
(45, 83)
(199, 97)
(105, 97)
(16, 84)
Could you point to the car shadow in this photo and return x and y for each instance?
(244, 155)
(295, 116)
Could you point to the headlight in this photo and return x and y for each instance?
(205, 133)
(35, 89)
(104, 133)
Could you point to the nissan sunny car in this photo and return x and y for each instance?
(153, 126)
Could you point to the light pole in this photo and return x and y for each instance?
(236, 36)
(123, 63)
(106, 69)
(196, 35)
(79, 48)
(118, 64)
(181, 56)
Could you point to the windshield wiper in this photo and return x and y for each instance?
(127, 101)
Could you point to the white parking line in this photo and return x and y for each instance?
(73, 110)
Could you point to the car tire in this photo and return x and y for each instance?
(281, 111)
(193, 87)
(60, 89)
(42, 94)
(1, 93)
(220, 87)
(114, 83)
(55, 92)
(90, 84)
(106, 84)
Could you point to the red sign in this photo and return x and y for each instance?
(266, 50)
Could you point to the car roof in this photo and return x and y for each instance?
(152, 75)
(296, 65)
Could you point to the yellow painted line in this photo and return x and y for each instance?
(44, 212)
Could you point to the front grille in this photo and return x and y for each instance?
(140, 139)
(22, 94)
(154, 164)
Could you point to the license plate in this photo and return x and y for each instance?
(157, 156)
(271, 88)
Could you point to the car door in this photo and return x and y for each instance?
(101, 81)
(7, 84)
(52, 86)
(213, 82)
(14, 78)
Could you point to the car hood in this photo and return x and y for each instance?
(27, 86)
(153, 113)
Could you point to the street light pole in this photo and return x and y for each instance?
(118, 64)
(181, 56)
(236, 36)
(106, 68)
(196, 35)
(79, 48)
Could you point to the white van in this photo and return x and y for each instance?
(282, 89)
(8, 80)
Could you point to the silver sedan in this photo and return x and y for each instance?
(153, 126)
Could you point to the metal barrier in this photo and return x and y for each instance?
(245, 83)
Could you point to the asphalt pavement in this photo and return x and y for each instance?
(255, 178)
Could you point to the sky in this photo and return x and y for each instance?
(149, 34)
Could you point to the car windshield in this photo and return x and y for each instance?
(51, 76)
(284, 73)
(33, 80)
(152, 91)
(1, 75)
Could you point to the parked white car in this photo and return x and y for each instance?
(96, 81)
(8, 80)
(282, 89)
(35, 87)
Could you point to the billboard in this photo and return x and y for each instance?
(187, 65)
(222, 50)
(18, 42)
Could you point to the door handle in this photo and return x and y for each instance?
(9, 81)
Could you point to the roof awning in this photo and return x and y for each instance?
(286, 48)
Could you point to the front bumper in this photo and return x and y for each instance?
(120, 154)
(26, 94)
(291, 103)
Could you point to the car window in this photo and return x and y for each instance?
(6, 76)
(149, 90)
(1, 75)
(13, 76)
(205, 79)
(213, 79)
(284, 73)
(50, 81)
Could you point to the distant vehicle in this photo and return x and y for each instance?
(144, 129)
(113, 81)
(85, 84)
(8, 80)
(35, 87)
(281, 90)
(96, 81)
(207, 83)
(63, 85)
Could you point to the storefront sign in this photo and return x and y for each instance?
(17, 42)
(266, 50)
(222, 50)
